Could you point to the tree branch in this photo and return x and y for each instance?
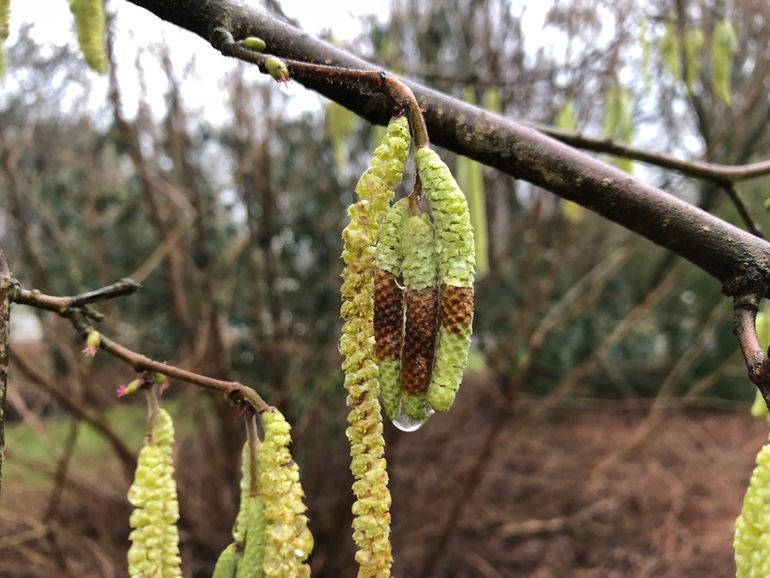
(740, 261)
(79, 315)
(6, 291)
(745, 307)
(714, 172)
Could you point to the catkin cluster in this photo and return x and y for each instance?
(89, 22)
(271, 535)
(752, 529)
(376, 188)
(424, 296)
(154, 551)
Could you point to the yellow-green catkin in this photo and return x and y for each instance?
(250, 523)
(227, 563)
(752, 529)
(154, 551)
(376, 188)
(389, 306)
(90, 22)
(5, 20)
(456, 268)
(288, 541)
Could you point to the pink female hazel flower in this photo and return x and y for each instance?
(132, 387)
(162, 381)
(93, 341)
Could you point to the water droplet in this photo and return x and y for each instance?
(405, 422)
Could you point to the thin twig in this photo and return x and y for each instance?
(740, 206)
(79, 317)
(253, 440)
(714, 172)
(366, 81)
(60, 305)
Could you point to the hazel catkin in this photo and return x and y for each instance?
(456, 268)
(154, 550)
(752, 528)
(389, 307)
(287, 541)
(90, 22)
(421, 311)
(375, 188)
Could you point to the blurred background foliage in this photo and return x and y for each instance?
(233, 228)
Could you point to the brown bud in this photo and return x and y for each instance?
(388, 316)
(419, 340)
(456, 308)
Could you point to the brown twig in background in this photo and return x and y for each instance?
(78, 316)
(714, 172)
(740, 206)
(150, 191)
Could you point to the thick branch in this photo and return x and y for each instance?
(734, 257)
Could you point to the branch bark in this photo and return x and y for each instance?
(6, 291)
(737, 259)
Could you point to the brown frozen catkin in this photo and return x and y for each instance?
(389, 306)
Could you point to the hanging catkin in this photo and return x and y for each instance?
(389, 307)
(752, 529)
(421, 310)
(456, 264)
(90, 21)
(376, 188)
(154, 551)
(287, 540)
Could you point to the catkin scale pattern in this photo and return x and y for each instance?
(288, 541)
(154, 551)
(90, 22)
(456, 269)
(376, 188)
(752, 528)
(271, 533)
